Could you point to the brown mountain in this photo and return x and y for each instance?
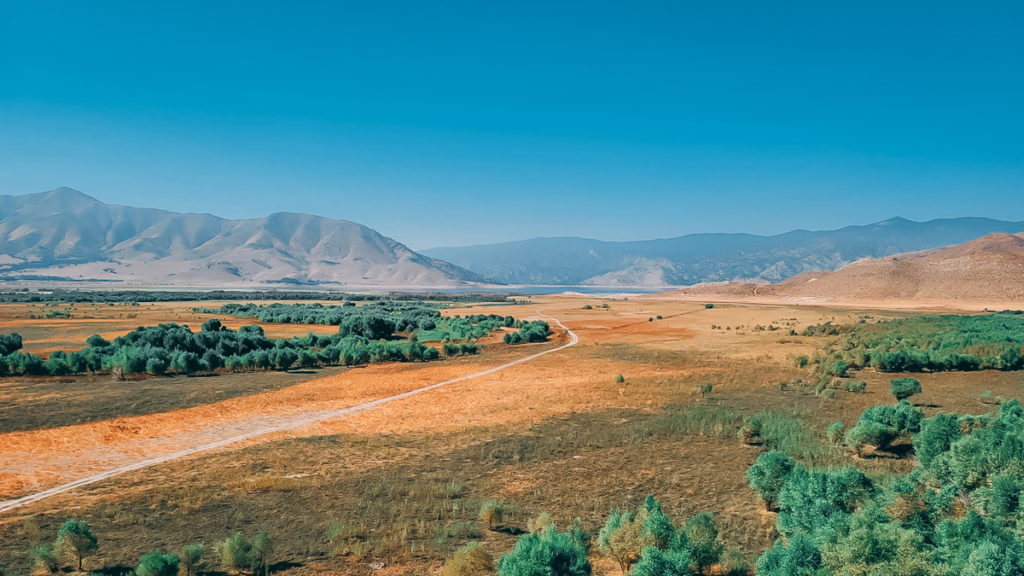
(989, 270)
(66, 235)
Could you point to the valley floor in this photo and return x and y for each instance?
(559, 434)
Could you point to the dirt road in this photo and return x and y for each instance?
(280, 426)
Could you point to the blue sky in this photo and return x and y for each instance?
(448, 123)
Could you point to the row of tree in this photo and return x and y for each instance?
(175, 348)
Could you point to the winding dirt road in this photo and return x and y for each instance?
(288, 424)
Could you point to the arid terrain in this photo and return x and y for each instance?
(981, 274)
(559, 434)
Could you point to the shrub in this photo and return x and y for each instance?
(546, 553)
(624, 537)
(855, 386)
(801, 361)
(709, 306)
(704, 389)
(470, 560)
(836, 432)
(155, 563)
(620, 379)
(750, 432)
(492, 513)
(903, 388)
(192, 558)
(767, 475)
(235, 553)
(702, 535)
(76, 538)
(343, 539)
(540, 522)
(262, 553)
(44, 558)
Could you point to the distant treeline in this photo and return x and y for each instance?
(379, 319)
(383, 318)
(128, 296)
(929, 343)
(176, 348)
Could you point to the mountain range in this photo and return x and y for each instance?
(697, 258)
(64, 234)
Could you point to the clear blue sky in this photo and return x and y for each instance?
(447, 123)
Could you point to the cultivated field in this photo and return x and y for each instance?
(561, 434)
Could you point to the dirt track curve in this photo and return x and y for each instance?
(296, 422)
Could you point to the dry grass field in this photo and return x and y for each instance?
(559, 434)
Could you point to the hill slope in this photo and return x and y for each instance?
(64, 234)
(987, 270)
(710, 257)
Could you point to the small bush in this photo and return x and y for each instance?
(540, 522)
(750, 432)
(620, 379)
(470, 560)
(235, 553)
(836, 432)
(155, 563)
(44, 558)
(903, 388)
(704, 389)
(492, 513)
(709, 306)
(192, 558)
(801, 361)
(856, 386)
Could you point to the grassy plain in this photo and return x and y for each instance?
(559, 434)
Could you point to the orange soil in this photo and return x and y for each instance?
(573, 380)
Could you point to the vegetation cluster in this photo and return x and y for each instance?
(928, 343)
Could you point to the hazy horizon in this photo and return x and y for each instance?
(466, 124)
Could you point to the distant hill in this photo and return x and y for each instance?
(64, 234)
(699, 258)
(989, 269)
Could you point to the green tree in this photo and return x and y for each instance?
(545, 553)
(797, 557)
(76, 539)
(702, 535)
(767, 475)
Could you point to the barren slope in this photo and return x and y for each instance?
(987, 270)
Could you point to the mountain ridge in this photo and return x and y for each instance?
(710, 257)
(66, 234)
